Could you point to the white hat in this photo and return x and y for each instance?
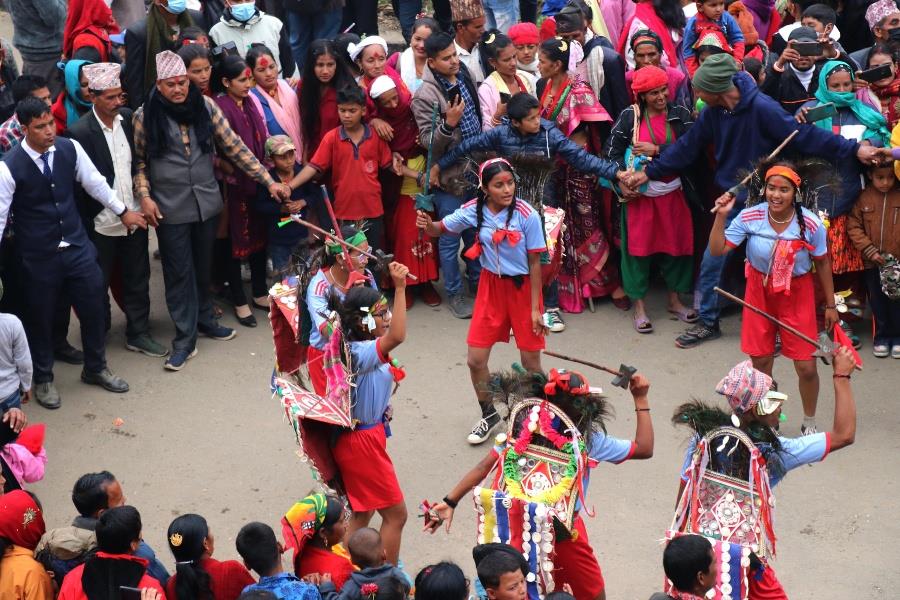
(382, 84)
(354, 50)
(168, 65)
(103, 76)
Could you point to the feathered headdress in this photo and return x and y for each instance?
(819, 180)
(588, 411)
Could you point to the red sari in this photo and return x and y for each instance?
(586, 271)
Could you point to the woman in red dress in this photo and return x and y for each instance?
(314, 528)
(656, 226)
(197, 574)
(569, 101)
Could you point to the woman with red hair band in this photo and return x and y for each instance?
(656, 226)
(784, 240)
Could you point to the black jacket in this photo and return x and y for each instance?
(786, 89)
(136, 51)
(87, 132)
(614, 94)
(680, 120)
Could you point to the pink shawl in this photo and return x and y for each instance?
(287, 113)
(645, 12)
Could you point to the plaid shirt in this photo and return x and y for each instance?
(227, 142)
(470, 123)
(10, 135)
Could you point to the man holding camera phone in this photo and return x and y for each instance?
(447, 82)
(793, 79)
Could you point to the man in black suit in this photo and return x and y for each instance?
(37, 183)
(107, 137)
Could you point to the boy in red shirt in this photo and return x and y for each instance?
(354, 154)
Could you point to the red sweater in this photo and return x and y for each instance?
(72, 589)
(227, 579)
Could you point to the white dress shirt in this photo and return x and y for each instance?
(107, 223)
(93, 182)
(472, 60)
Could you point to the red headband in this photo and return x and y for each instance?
(562, 380)
(786, 172)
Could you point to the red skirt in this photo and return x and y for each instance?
(797, 310)
(419, 255)
(844, 255)
(366, 469)
(499, 307)
(574, 563)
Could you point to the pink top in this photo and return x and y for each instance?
(660, 224)
(27, 467)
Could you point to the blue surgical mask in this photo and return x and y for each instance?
(176, 7)
(243, 12)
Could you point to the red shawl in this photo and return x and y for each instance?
(406, 132)
(91, 17)
(645, 13)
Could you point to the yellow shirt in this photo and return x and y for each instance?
(22, 577)
(409, 187)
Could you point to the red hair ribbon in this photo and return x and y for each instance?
(562, 380)
(474, 251)
(513, 237)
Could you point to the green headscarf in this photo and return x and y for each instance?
(334, 248)
(876, 126)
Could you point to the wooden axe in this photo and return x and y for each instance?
(379, 256)
(622, 376)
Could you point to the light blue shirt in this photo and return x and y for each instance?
(504, 258)
(373, 382)
(795, 452)
(752, 224)
(317, 294)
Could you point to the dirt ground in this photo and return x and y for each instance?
(211, 440)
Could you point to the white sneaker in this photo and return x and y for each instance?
(483, 428)
(881, 350)
(554, 321)
(808, 429)
(895, 351)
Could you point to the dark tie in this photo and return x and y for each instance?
(47, 172)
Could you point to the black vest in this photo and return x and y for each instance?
(44, 213)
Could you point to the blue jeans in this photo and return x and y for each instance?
(280, 255)
(14, 400)
(303, 29)
(501, 14)
(406, 11)
(448, 247)
(711, 269)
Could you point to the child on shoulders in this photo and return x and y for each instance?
(712, 19)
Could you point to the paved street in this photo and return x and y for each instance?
(211, 440)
